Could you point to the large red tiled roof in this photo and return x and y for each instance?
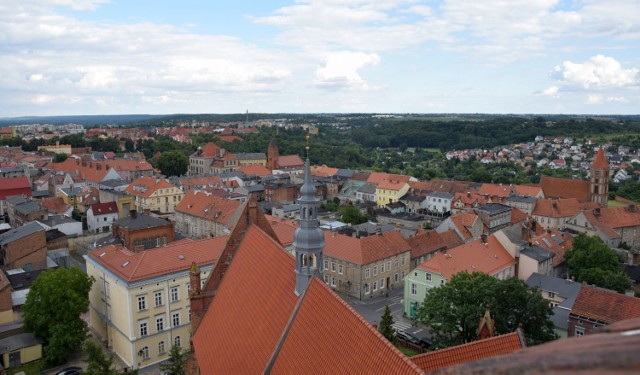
(494, 190)
(258, 170)
(329, 337)
(378, 177)
(365, 250)
(472, 351)
(201, 181)
(451, 239)
(252, 306)
(470, 198)
(557, 208)
(425, 243)
(526, 190)
(323, 171)
(176, 256)
(391, 185)
(284, 229)
(54, 204)
(555, 241)
(605, 305)
(616, 217)
(145, 186)
(471, 257)
(517, 216)
(463, 221)
(104, 208)
(554, 187)
(207, 151)
(209, 206)
(7, 183)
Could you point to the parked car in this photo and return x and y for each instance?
(73, 370)
(407, 337)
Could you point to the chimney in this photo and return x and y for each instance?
(483, 238)
(596, 212)
(632, 208)
(468, 194)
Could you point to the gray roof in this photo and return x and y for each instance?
(28, 207)
(114, 183)
(494, 208)
(291, 208)
(141, 221)
(439, 194)
(19, 341)
(251, 156)
(40, 193)
(565, 288)
(16, 199)
(537, 253)
(229, 174)
(346, 173)
(58, 219)
(367, 188)
(413, 198)
(23, 231)
(71, 191)
(519, 199)
(254, 188)
(11, 169)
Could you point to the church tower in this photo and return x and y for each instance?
(599, 187)
(308, 239)
(272, 155)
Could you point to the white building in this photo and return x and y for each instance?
(100, 216)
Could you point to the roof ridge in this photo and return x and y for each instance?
(142, 254)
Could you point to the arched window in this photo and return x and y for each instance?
(144, 352)
(176, 341)
(161, 347)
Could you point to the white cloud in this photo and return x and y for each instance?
(341, 70)
(594, 99)
(597, 72)
(551, 91)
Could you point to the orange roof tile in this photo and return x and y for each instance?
(526, 190)
(378, 177)
(554, 187)
(463, 221)
(494, 190)
(617, 217)
(365, 250)
(554, 241)
(425, 243)
(517, 216)
(471, 257)
(472, 351)
(258, 170)
(605, 305)
(201, 181)
(145, 186)
(323, 171)
(469, 199)
(176, 256)
(391, 185)
(284, 229)
(209, 206)
(290, 161)
(451, 239)
(557, 207)
(600, 160)
(208, 150)
(333, 338)
(54, 204)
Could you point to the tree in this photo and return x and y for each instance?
(175, 362)
(592, 261)
(352, 215)
(173, 163)
(60, 157)
(98, 363)
(52, 311)
(386, 325)
(453, 310)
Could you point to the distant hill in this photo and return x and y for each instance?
(89, 120)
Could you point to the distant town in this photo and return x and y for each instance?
(238, 257)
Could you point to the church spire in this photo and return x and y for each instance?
(308, 239)
(599, 181)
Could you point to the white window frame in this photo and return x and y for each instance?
(161, 347)
(375, 270)
(395, 278)
(157, 298)
(143, 327)
(142, 303)
(414, 289)
(160, 323)
(375, 285)
(579, 331)
(427, 276)
(367, 273)
(340, 269)
(382, 283)
(388, 265)
(382, 268)
(333, 266)
(175, 316)
(175, 294)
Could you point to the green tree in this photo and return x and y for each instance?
(60, 157)
(175, 363)
(98, 363)
(173, 163)
(592, 261)
(452, 311)
(52, 311)
(386, 325)
(352, 215)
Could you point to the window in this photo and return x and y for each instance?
(579, 331)
(382, 268)
(142, 303)
(388, 265)
(395, 263)
(381, 283)
(326, 279)
(144, 329)
(414, 289)
(333, 282)
(157, 297)
(366, 289)
(176, 341)
(161, 347)
(395, 278)
(159, 323)
(367, 273)
(326, 264)
(174, 294)
(333, 266)
(175, 319)
(428, 276)
(402, 260)
(552, 295)
(144, 352)
(340, 269)
(375, 270)
(375, 286)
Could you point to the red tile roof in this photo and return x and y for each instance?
(554, 241)
(202, 181)
(451, 239)
(494, 190)
(394, 185)
(616, 217)
(425, 243)
(557, 208)
(7, 183)
(54, 204)
(290, 161)
(600, 161)
(104, 208)
(176, 256)
(208, 150)
(284, 229)
(605, 305)
(472, 351)
(145, 186)
(473, 256)
(554, 187)
(332, 338)
(323, 171)
(258, 170)
(526, 190)
(469, 199)
(517, 216)
(365, 250)
(210, 207)
(378, 177)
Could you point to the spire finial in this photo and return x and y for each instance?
(308, 137)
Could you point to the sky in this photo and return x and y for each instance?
(90, 57)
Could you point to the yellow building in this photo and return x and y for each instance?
(139, 304)
(155, 194)
(256, 158)
(19, 349)
(389, 191)
(58, 149)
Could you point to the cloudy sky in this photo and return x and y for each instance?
(64, 57)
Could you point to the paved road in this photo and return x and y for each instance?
(372, 309)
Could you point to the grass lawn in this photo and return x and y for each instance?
(33, 368)
(406, 351)
(613, 203)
